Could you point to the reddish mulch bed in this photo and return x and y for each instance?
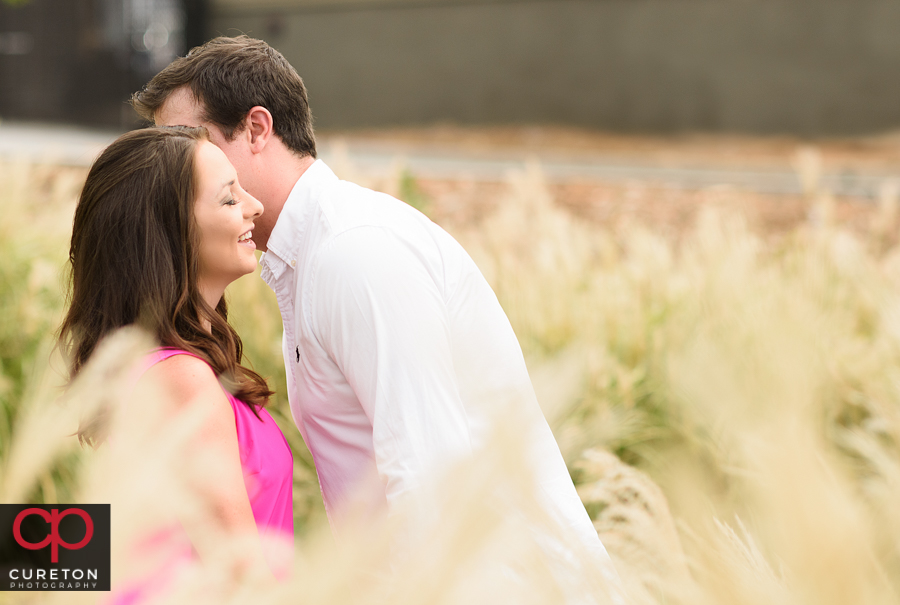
(668, 209)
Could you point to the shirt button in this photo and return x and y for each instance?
(293, 263)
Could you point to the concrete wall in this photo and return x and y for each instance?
(78, 61)
(807, 67)
(50, 70)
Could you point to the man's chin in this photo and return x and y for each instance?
(260, 239)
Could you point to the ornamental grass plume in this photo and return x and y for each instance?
(477, 535)
(728, 403)
(38, 201)
(754, 379)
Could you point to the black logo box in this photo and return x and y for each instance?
(18, 561)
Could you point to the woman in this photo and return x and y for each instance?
(161, 228)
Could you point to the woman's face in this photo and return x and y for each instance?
(224, 213)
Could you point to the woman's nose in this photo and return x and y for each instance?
(254, 207)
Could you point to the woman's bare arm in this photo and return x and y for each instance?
(192, 390)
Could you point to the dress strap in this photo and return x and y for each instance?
(164, 353)
(157, 355)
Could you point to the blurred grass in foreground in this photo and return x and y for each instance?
(746, 387)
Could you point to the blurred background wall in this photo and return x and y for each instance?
(807, 67)
(78, 61)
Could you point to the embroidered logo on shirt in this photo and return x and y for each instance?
(298, 354)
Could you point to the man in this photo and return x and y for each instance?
(396, 350)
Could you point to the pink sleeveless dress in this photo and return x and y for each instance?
(268, 469)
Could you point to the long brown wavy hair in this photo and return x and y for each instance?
(134, 261)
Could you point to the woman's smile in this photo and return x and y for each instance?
(225, 215)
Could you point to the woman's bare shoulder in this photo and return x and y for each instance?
(184, 378)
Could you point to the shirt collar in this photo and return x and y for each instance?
(292, 222)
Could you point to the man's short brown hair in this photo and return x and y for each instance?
(229, 76)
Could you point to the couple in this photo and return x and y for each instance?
(394, 344)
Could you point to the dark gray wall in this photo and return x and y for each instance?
(54, 65)
(78, 61)
(807, 67)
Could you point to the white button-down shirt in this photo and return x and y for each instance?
(396, 349)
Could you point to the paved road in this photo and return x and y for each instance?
(52, 143)
(76, 146)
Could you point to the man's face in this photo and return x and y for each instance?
(182, 109)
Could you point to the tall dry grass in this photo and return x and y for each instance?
(728, 404)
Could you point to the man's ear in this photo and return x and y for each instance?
(259, 127)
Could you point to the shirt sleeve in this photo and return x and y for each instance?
(381, 316)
